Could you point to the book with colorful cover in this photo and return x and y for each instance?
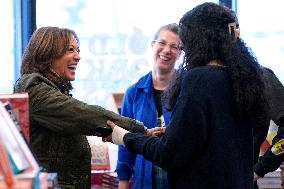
(14, 142)
(5, 166)
(29, 179)
(8, 106)
(17, 158)
(20, 105)
(100, 156)
(28, 175)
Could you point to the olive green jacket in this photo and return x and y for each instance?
(58, 127)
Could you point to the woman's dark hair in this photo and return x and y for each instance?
(206, 36)
(45, 45)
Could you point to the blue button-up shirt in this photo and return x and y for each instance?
(139, 103)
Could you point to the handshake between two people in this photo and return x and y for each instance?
(113, 133)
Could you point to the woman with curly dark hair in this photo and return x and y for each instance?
(219, 104)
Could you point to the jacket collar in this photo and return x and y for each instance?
(63, 85)
(145, 82)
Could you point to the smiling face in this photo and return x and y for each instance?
(66, 65)
(165, 51)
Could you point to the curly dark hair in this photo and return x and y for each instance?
(46, 45)
(205, 36)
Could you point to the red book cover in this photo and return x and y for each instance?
(96, 178)
(20, 105)
(14, 142)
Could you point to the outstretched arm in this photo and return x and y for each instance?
(270, 161)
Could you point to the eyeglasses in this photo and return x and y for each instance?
(163, 44)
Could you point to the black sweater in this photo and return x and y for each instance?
(204, 146)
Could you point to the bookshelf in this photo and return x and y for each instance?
(19, 169)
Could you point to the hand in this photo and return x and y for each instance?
(111, 124)
(109, 138)
(157, 131)
(117, 134)
(255, 176)
(123, 184)
(103, 131)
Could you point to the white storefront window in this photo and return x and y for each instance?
(262, 27)
(115, 38)
(6, 46)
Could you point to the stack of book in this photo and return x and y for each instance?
(271, 180)
(18, 106)
(96, 178)
(109, 180)
(104, 179)
(18, 167)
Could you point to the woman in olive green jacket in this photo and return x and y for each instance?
(58, 122)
